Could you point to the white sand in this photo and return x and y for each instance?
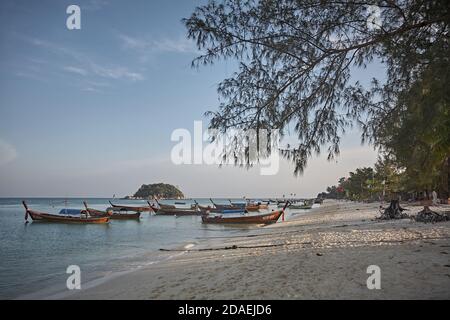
(321, 255)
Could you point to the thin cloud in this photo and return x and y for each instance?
(86, 65)
(145, 45)
(91, 89)
(116, 73)
(98, 84)
(181, 45)
(133, 43)
(76, 70)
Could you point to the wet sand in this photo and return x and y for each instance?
(320, 255)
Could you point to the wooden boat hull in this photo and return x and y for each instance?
(176, 212)
(172, 212)
(40, 216)
(300, 207)
(167, 206)
(135, 209)
(114, 215)
(125, 216)
(128, 208)
(267, 218)
(252, 207)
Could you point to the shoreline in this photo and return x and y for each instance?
(323, 254)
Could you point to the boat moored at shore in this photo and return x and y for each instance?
(83, 217)
(266, 218)
(114, 214)
(130, 208)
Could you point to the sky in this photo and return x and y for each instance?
(90, 112)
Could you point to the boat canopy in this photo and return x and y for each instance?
(72, 212)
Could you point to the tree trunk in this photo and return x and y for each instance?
(446, 192)
(426, 215)
(394, 211)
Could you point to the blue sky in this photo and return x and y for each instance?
(90, 112)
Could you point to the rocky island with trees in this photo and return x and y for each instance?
(157, 190)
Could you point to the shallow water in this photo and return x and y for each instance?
(34, 256)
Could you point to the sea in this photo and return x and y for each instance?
(35, 256)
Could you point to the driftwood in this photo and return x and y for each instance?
(427, 216)
(394, 211)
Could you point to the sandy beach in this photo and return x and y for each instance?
(320, 255)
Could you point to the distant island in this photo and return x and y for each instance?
(157, 190)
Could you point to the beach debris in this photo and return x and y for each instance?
(429, 216)
(319, 254)
(394, 211)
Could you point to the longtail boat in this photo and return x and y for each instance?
(209, 209)
(175, 211)
(130, 208)
(266, 218)
(165, 206)
(230, 206)
(116, 214)
(257, 206)
(305, 205)
(82, 218)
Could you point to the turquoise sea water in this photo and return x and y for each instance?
(34, 256)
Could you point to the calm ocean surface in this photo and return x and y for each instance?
(34, 256)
